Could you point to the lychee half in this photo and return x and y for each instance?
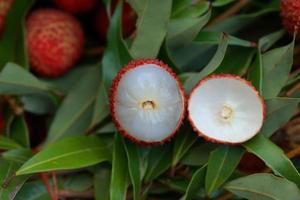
(76, 6)
(290, 14)
(4, 8)
(55, 40)
(147, 102)
(226, 109)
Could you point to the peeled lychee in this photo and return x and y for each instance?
(4, 8)
(128, 20)
(55, 41)
(76, 6)
(290, 14)
(226, 109)
(147, 102)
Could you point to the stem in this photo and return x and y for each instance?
(45, 180)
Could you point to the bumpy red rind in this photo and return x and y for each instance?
(55, 41)
(76, 6)
(290, 15)
(230, 76)
(113, 92)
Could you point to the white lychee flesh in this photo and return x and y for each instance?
(149, 104)
(226, 109)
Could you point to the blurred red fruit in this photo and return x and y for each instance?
(55, 41)
(4, 8)
(128, 20)
(290, 14)
(76, 6)
(2, 124)
(251, 164)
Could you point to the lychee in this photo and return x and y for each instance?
(128, 20)
(290, 14)
(147, 102)
(55, 41)
(4, 8)
(76, 6)
(226, 109)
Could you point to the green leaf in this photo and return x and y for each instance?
(183, 142)
(274, 157)
(133, 156)
(17, 81)
(269, 40)
(116, 54)
(221, 164)
(198, 155)
(279, 112)
(39, 104)
(211, 66)
(256, 72)
(6, 143)
(277, 65)
(263, 187)
(182, 31)
(214, 37)
(17, 155)
(102, 183)
(13, 41)
(159, 159)
(192, 10)
(34, 190)
(75, 113)
(197, 181)
(19, 131)
(218, 3)
(65, 153)
(151, 28)
(78, 182)
(119, 176)
(233, 64)
(10, 184)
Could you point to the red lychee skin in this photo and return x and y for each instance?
(55, 40)
(290, 14)
(76, 6)
(2, 124)
(216, 76)
(4, 8)
(128, 20)
(113, 92)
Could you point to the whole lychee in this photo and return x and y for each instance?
(290, 14)
(147, 102)
(225, 108)
(55, 41)
(4, 8)
(128, 20)
(76, 6)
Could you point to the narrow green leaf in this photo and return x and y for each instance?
(6, 143)
(183, 142)
(133, 156)
(116, 54)
(18, 81)
(192, 10)
(256, 72)
(151, 28)
(119, 176)
(79, 182)
(279, 112)
(269, 40)
(218, 3)
(197, 181)
(274, 157)
(13, 42)
(75, 113)
(277, 65)
(182, 31)
(65, 153)
(211, 66)
(19, 131)
(102, 183)
(17, 155)
(34, 190)
(263, 187)
(221, 164)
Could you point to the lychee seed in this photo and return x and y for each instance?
(147, 102)
(290, 14)
(226, 109)
(55, 41)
